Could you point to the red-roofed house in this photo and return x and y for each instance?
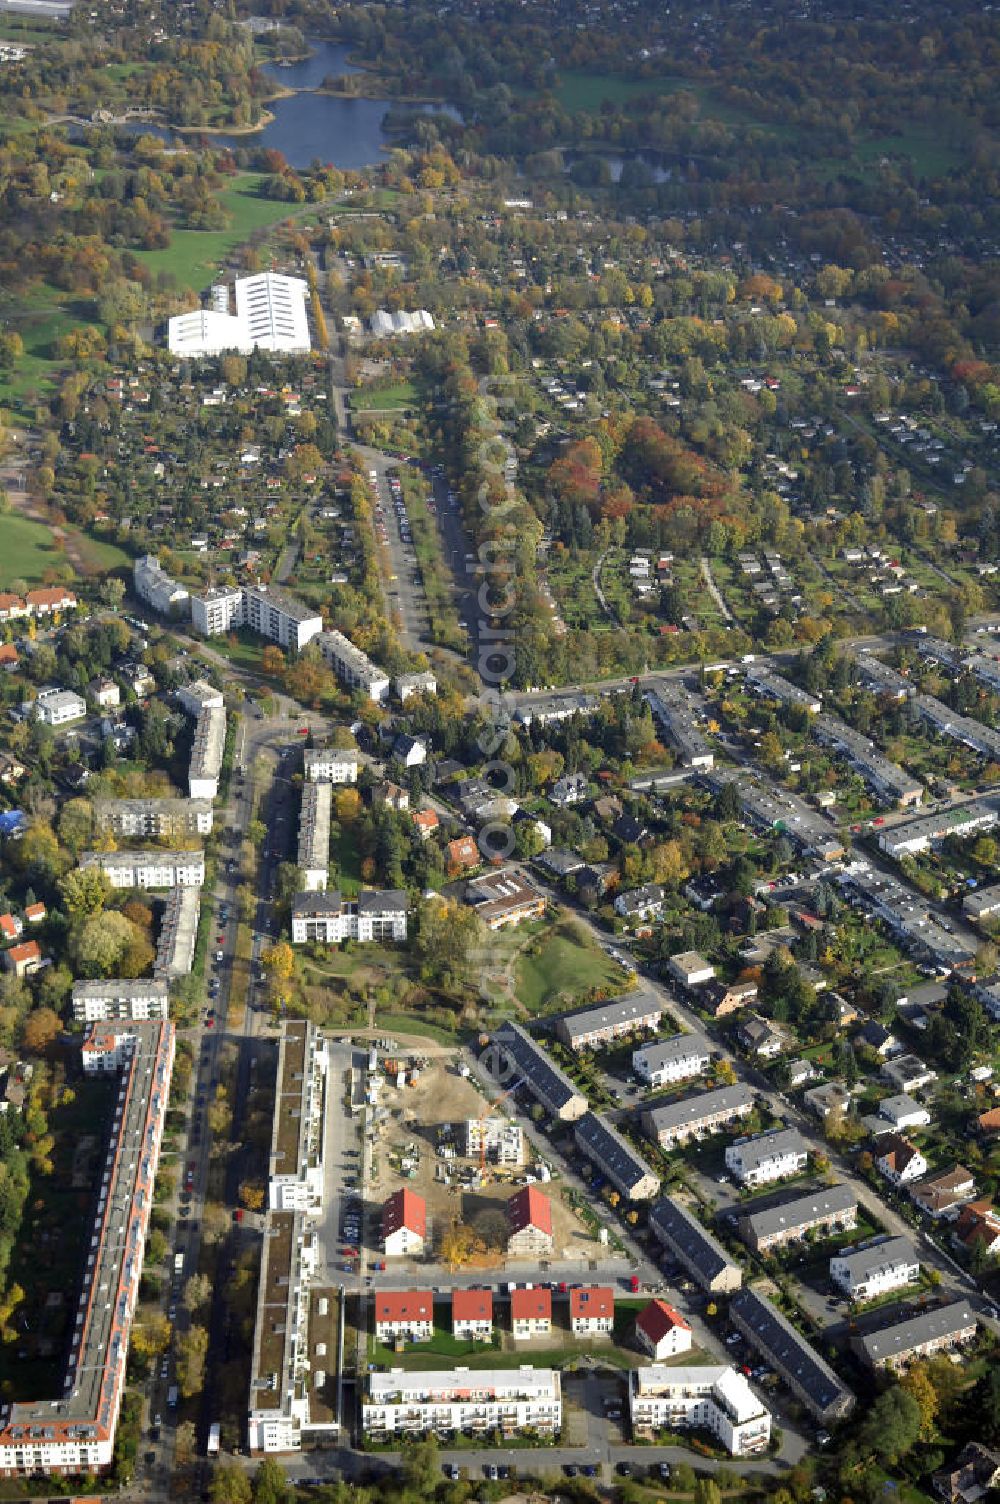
(404, 1223)
(661, 1331)
(426, 821)
(472, 1314)
(23, 960)
(11, 607)
(45, 602)
(35, 913)
(529, 1224)
(899, 1160)
(978, 1227)
(591, 1309)
(530, 1313)
(8, 655)
(463, 853)
(10, 926)
(404, 1315)
(988, 1123)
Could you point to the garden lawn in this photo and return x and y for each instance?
(196, 256)
(403, 394)
(28, 550)
(564, 962)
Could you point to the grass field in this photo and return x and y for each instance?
(403, 394)
(195, 256)
(565, 963)
(28, 550)
(99, 556)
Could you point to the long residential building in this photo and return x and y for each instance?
(95, 1002)
(672, 708)
(962, 819)
(175, 944)
(327, 918)
(772, 686)
(888, 780)
(314, 835)
(875, 1267)
(525, 1059)
(476, 1400)
(265, 609)
(983, 904)
(606, 1149)
(809, 1378)
(674, 1122)
(74, 1431)
(330, 765)
(767, 1157)
(770, 808)
(907, 916)
(148, 869)
(714, 1399)
(199, 695)
(353, 667)
(960, 728)
(158, 589)
(207, 751)
(157, 819)
(883, 680)
(700, 1254)
(292, 1397)
(832, 1209)
(921, 1336)
(297, 1160)
(603, 1023)
(666, 1061)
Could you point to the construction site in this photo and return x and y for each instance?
(436, 1134)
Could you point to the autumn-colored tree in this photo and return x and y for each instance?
(40, 1030)
(273, 661)
(252, 1195)
(347, 806)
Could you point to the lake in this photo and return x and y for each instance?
(347, 132)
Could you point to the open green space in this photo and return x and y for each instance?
(562, 962)
(28, 550)
(40, 316)
(384, 399)
(194, 257)
(347, 861)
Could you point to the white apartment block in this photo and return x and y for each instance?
(199, 695)
(157, 818)
(207, 751)
(669, 1060)
(266, 610)
(158, 589)
(500, 1140)
(314, 835)
(178, 935)
(415, 684)
(326, 918)
(353, 667)
(767, 1156)
(297, 1160)
(218, 611)
(510, 1400)
(148, 869)
(717, 1400)
(57, 707)
(95, 1002)
(74, 1431)
(865, 1272)
(330, 765)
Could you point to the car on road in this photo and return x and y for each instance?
(490, 1470)
(452, 1471)
(625, 1469)
(570, 1469)
(664, 1470)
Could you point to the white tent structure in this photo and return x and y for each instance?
(270, 315)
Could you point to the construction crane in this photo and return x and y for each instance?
(488, 1113)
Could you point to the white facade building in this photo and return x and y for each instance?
(511, 1400)
(296, 1166)
(767, 1157)
(669, 1060)
(330, 765)
(158, 589)
(199, 695)
(95, 1002)
(353, 667)
(270, 315)
(499, 1139)
(148, 869)
(219, 610)
(270, 612)
(57, 707)
(873, 1268)
(327, 918)
(207, 750)
(717, 1400)
(157, 818)
(314, 835)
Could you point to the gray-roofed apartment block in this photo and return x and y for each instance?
(918, 1336)
(811, 1380)
(624, 1166)
(586, 1028)
(828, 1210)
(544, 1079)
(673, 708)
(694, 1248)
(674, 1122)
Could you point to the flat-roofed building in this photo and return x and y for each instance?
(477, 1401)
(374, 914)
(280, 617)
(175, 944)
(353, 667)
(771, 686)
(965, 818)
(612, 1154)
(524, 1058)
(603, 1023)
(497, 1139)
(296, 1165)
(57, 707)
(983, 904)
(875, 1267)
(121, 998)
(811, 1380)
(891, 782)
(207, 751)
(159, 819)
(673, 710)
(829, 1210)
(940, 1330)
(270, 315)
(218, 610)
(695, 1249)
(330, 765)
(158, 589)
(674, 1122)
(690, 968)
(770, 808)
(713, 1398)
(666, 1061)
(199, 695)
(74, 1431)
(504, 899)
(767, 1157)
(314, 835)
(148, 868)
